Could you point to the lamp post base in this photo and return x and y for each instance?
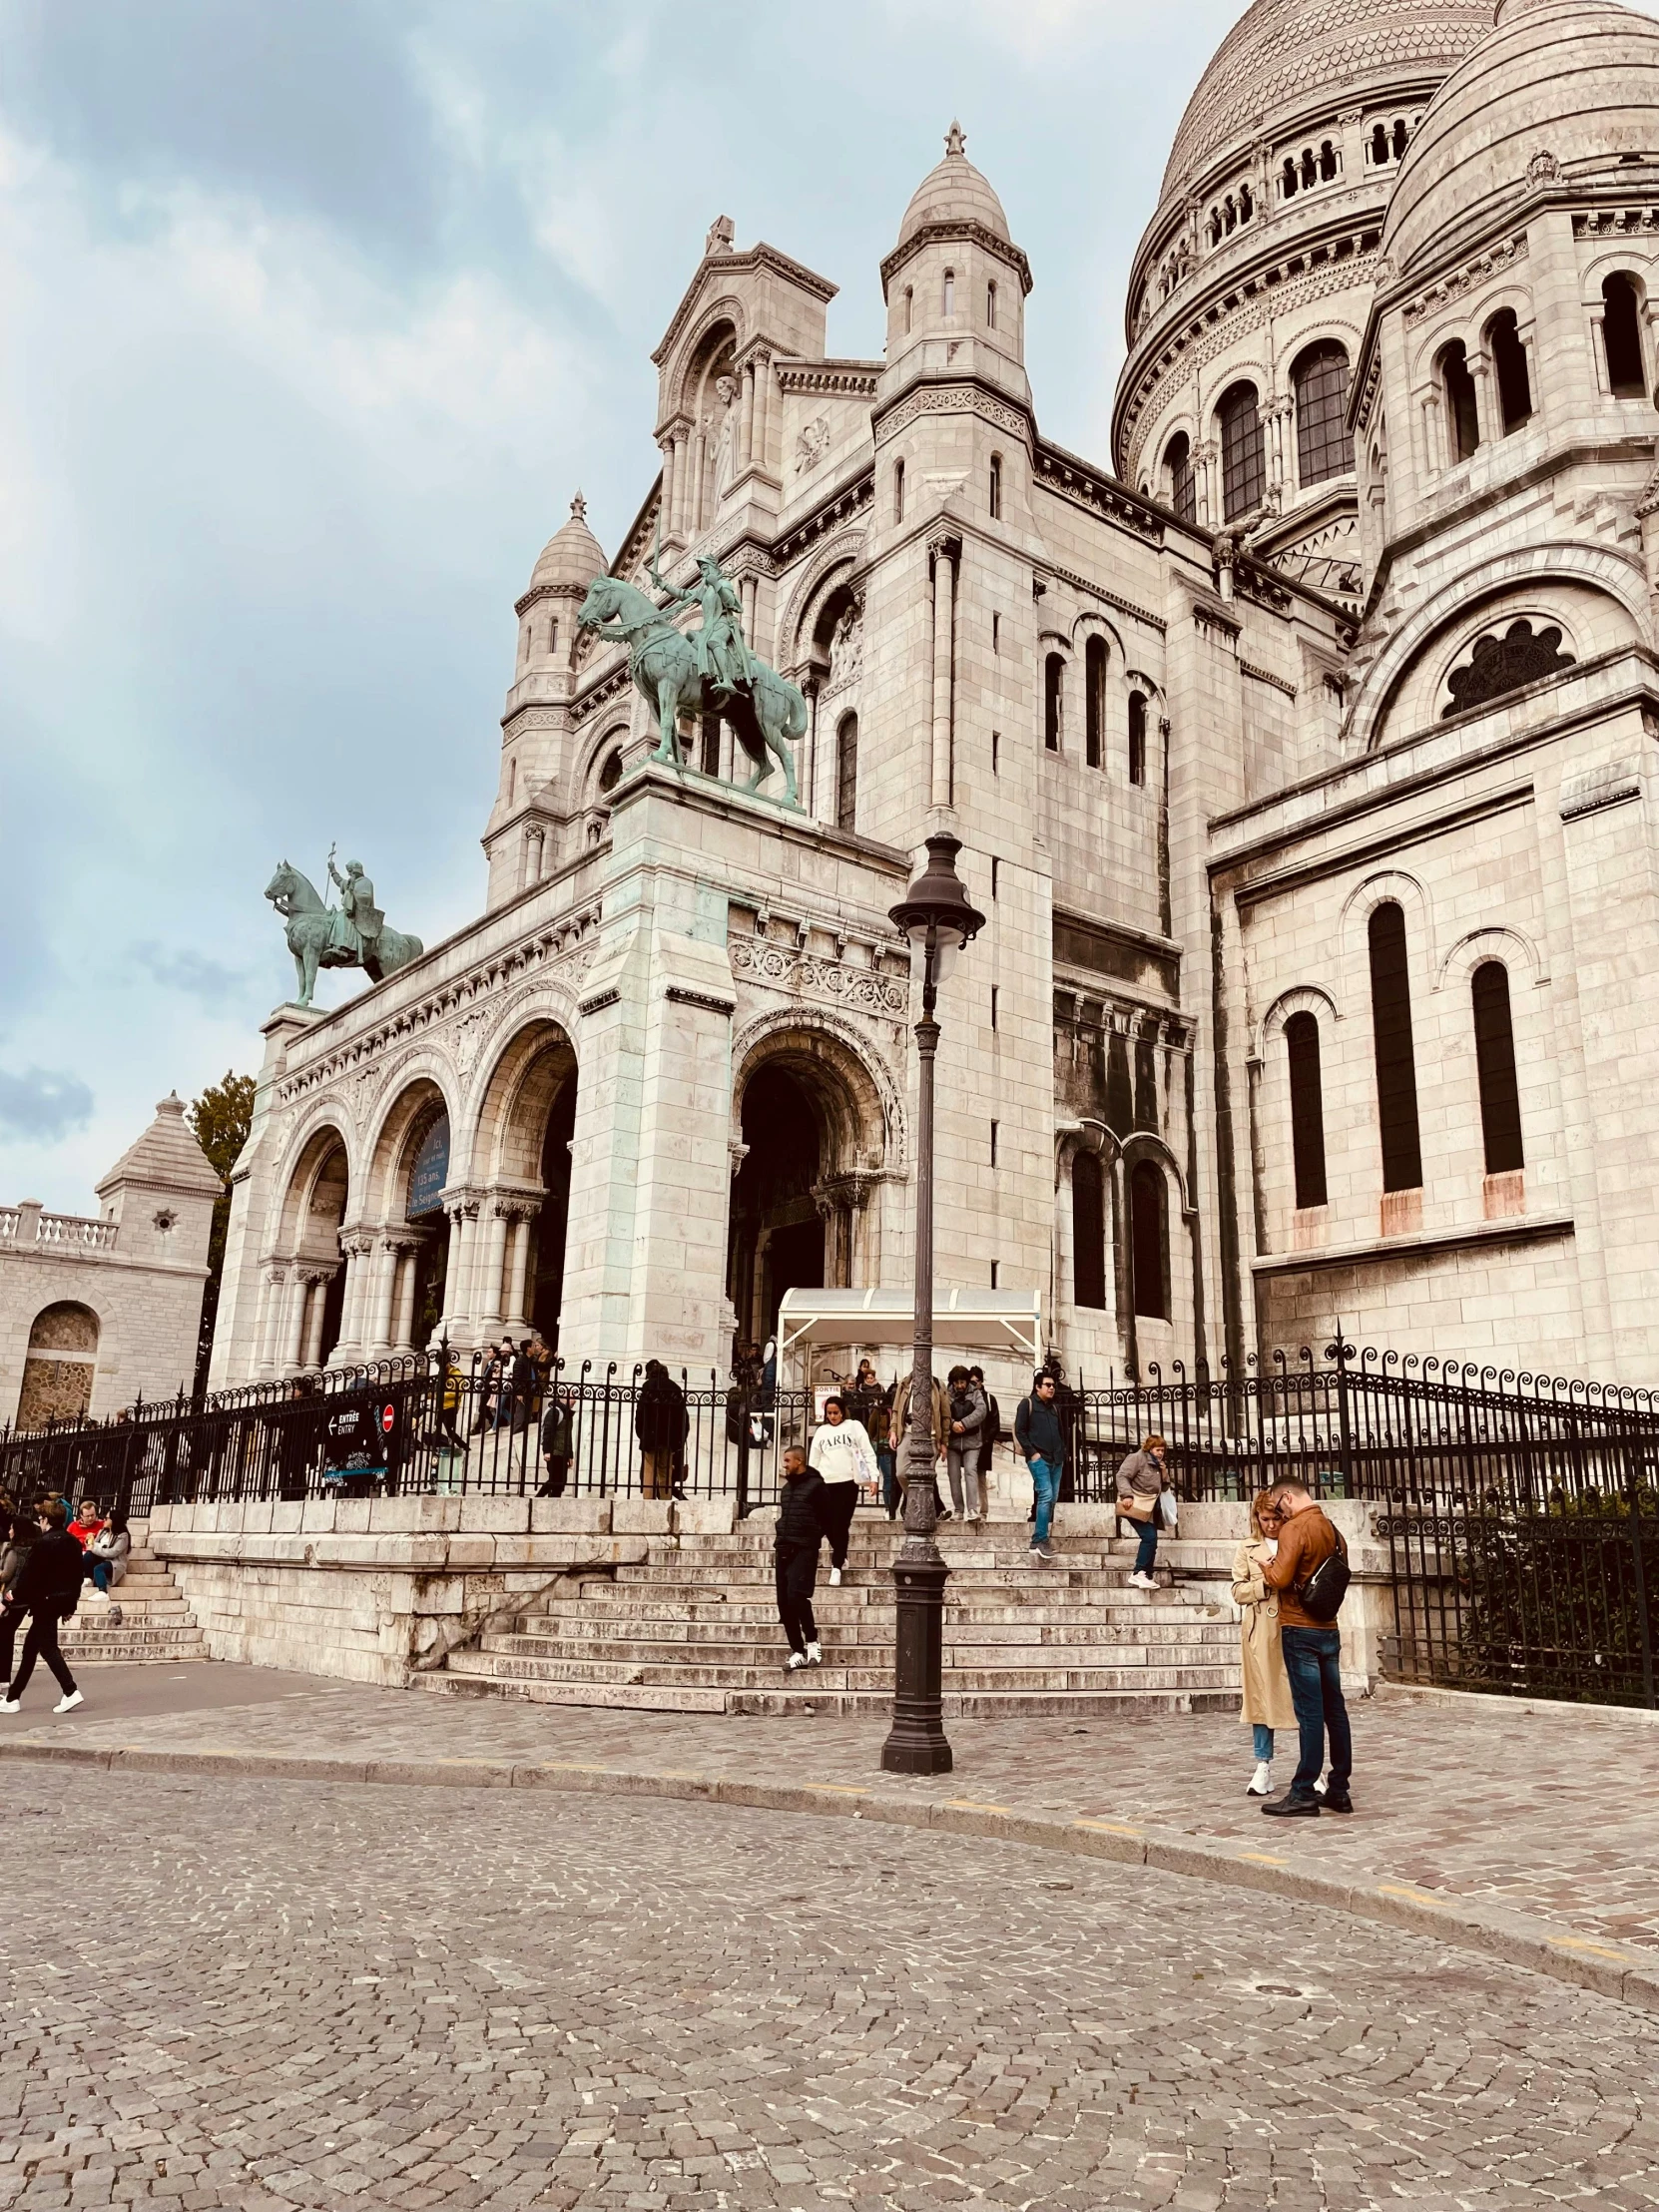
(916, 1743)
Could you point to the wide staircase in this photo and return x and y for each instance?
(694, 1628)
(155, 1621)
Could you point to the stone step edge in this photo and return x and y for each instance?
(1586, 1962)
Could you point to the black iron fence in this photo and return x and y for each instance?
(1520, 1511)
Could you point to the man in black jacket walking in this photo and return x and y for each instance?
(48, 1586)
(801, 1529)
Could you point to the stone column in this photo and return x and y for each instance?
(746, 422)
(665, 497)
(408, 1276)
(1487, 409)
(270, 1317)
(762, 410)
(463, 1213)
(384, 1295)
(356, 1248)
(487, 1302)
(677, 518)
(294, 1318)
(946, 552)
(318, 1280)
(523, 1223)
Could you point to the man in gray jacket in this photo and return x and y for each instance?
(967, 1409)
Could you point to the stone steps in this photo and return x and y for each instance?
(694, 1628)
(155, 1623)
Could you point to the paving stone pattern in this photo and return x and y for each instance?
(328, 1994)
(1547, 1813)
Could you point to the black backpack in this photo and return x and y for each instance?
(1323, 1594)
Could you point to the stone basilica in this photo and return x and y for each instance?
(1301, 754)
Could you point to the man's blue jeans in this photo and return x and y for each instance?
(1312, 1662)
(1045, 1485)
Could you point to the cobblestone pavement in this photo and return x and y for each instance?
(1555, 1815)
(327, 1994)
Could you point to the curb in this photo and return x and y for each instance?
(1538, 1708)
(1606, 1968)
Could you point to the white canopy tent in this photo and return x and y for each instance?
(994, 1321)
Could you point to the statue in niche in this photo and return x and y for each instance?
(726, 444)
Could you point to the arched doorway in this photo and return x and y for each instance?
(777, 1238)
(548, 1276)
(305, 1320)
(525, 1132)
(427, 1153)
(60, 1366)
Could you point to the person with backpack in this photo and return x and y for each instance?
(1041, 1443)
(989, 1438)
(1309, 1572)
(48, 1587)
(965, 1410)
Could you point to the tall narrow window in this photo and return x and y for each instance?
(993, 1005)
(846, 772)
(1054, 697)
(1310, 168)
(1088, 1232)
(1380, 145)
(1287, 181)
(1180, 485)
(1396, 1071)
(1494, 1058)
(994, 1133)
(1148, 1238)
(1302, 1050)
(996, 487)
(1322, 448)
(1243, 462)
(1403, 139)
(950, 291)
(1462, 414)
(899, 491)
(1621, 336)
(1094, 698)
(708, 746)
(1328, 161)
(997, 873)
(990, 306)
(553, 636)
(1137, 737)
(909, 308)
(1514, 384)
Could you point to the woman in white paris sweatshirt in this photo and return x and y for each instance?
(843, 1455)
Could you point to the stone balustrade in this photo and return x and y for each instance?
(29, 1223)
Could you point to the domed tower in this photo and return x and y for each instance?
(956, 284)
(1249, 290)
(1505, 409)
(521, 835)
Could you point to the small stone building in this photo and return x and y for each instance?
(97, 1312)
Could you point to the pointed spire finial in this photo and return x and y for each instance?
(578, 509)
(956, 140)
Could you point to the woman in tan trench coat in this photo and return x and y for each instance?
(1266, 1702)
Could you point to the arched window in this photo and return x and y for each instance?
(1462, 414)
(846, 772)
(60, 1365)
(1494, 1058)
(1088, 1231)
(1403, 139)
(1094, 698)
(1380, 145)
(1247, 205)
(899, 491)
(1328, 161)
(950, 291)
(990, 306)
(1322, 449)
(1621, 338)
(1054, 697)
(1137, 737)
(1181, 485)
(1514, 384)
(1243, 464)
(1286, 181)
(1310, 168)
(996, 487)
(909, 308)
(553, 635)
(610, 776)
(1302, 1050)
(1148, 1241)
(1231, 214)
(1396, 1071)
(1214, 225)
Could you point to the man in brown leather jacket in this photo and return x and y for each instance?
(1313, 1657)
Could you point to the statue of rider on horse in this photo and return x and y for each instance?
(710, 670)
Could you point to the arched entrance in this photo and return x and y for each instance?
(777, 1238)
(60, 1366)
(528, 1119)
(306, 1319)
(548, 1274)
(420, 1301)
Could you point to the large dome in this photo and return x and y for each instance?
(1286, 54)
(1560, 87)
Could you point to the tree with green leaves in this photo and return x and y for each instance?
(221, 1118)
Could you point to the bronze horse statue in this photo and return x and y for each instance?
(766, 718)
(316, 939)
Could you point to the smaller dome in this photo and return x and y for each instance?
(1560, 88)
(954, 193)
(572, 556)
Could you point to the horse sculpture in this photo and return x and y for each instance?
(325, 937)
(767, 717)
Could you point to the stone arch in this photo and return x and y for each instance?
(522, 1126)
(1616, 576)
(1407, 892)
(864, 1116)
(525, 1059)
(414, 1086)
(846, 550)
(1301, 999)
(721, 327)
(318, 1164)
(60, 1365)
(1518, 952)
(1092, 623)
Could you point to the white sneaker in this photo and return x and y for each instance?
(815, 1655)
(1142, 1583)
(835, 1579)
(69, 1702)
(795, 1662)
(1260, 1781)
(11, 1705)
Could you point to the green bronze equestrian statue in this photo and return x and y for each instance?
(352, 934)
(710, 671)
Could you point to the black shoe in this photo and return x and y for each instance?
(1290, 1808)
(1337, 1801)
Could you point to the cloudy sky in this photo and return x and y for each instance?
(315, 312)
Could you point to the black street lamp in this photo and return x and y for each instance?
(936, 914)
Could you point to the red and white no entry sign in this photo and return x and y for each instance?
(389, 1419)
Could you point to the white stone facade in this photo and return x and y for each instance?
(1233, 808)
(99, 1311)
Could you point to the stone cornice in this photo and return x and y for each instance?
(973, 234)
(1098, 490)
(827, 516)
(854, 379)
(749, 263)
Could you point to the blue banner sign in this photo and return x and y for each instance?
(430, 1171)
